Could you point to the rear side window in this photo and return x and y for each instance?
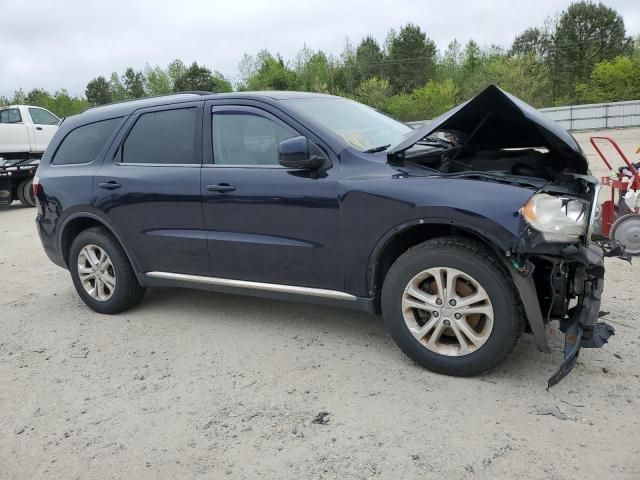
(165, 137)
(10, 115)
(83, 144)
(42, 117)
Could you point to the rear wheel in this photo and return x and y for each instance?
(28, 198)
(20, 193)
(452, 307)
(101, 272)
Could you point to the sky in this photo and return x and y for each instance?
(66, 43)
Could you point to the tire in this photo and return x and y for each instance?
(118, 290)
(451, 351)
(626, 230)
(20, 193)
(28, 198)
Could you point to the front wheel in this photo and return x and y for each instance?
(101, 272)
(452, 307)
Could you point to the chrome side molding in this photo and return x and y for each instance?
(269, 287)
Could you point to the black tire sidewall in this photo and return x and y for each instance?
(28, 198)
(20, 193)
(125, 277)
(506, 321)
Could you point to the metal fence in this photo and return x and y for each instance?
(590, 117)
(597, 115)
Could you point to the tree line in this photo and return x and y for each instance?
(583, 55)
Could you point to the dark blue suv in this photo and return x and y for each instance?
(464, 233)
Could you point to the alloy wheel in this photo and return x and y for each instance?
(96, 272)
(447, 311)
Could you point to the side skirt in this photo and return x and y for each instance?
(258, 289)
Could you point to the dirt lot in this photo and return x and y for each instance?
(201, 385)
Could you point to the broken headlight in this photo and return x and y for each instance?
(558, 219)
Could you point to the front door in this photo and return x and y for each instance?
(148, 189)
(45, 126)
(266, 223)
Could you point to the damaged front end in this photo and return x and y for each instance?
(565, 267)
(557, 268)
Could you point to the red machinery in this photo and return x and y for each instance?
(618, 220)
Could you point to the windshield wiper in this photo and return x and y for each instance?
(381, 148)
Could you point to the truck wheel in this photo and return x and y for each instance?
(27, 198)
(101, 272)
(452, 307)
(20, 193)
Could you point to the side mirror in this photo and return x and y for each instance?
(299, 153)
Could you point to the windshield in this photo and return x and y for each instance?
(360, 126)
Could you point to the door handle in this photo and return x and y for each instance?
(221, 188)
(38, 128)
(109, 185)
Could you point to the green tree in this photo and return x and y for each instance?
(612, 81)
(116, 88)
(374, 92)
(175, 70)
(345, 72)
(410, 59)
(403, 107)
(533, 41)
(586, 34)
(98, 91)
(19, 97)
(39, 97)
(195, 78)
(369, 59)
(219, 84)
(271, 74)
(434, 98)
(199, 78)
(63, 105)
(312, 71)
(157, 80)
(133, 83)
(523, 76)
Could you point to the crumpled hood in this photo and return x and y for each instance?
(495, 119)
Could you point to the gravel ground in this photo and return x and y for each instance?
(193, 384)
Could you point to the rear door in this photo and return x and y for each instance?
(45, 125)
(149, 189)
(266, 223)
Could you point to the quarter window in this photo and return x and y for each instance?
(246, 138)
(167, 136)
(43, 117)
(10, 115)
(84, 143)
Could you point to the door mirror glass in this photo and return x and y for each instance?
(298, 152)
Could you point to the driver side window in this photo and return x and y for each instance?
(245, 138)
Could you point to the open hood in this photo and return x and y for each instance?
(495, 119)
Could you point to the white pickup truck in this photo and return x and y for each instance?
(25, 132)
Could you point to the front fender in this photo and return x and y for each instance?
(375, 210)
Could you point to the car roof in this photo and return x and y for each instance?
(117, 109)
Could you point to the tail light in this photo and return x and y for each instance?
(35, 184)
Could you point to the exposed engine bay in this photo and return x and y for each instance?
(526, 162)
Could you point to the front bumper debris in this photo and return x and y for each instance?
(581, 326)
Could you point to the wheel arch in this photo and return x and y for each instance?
(409, 234)
(77, 223)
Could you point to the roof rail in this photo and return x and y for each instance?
(189, 92)
(195, 92)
